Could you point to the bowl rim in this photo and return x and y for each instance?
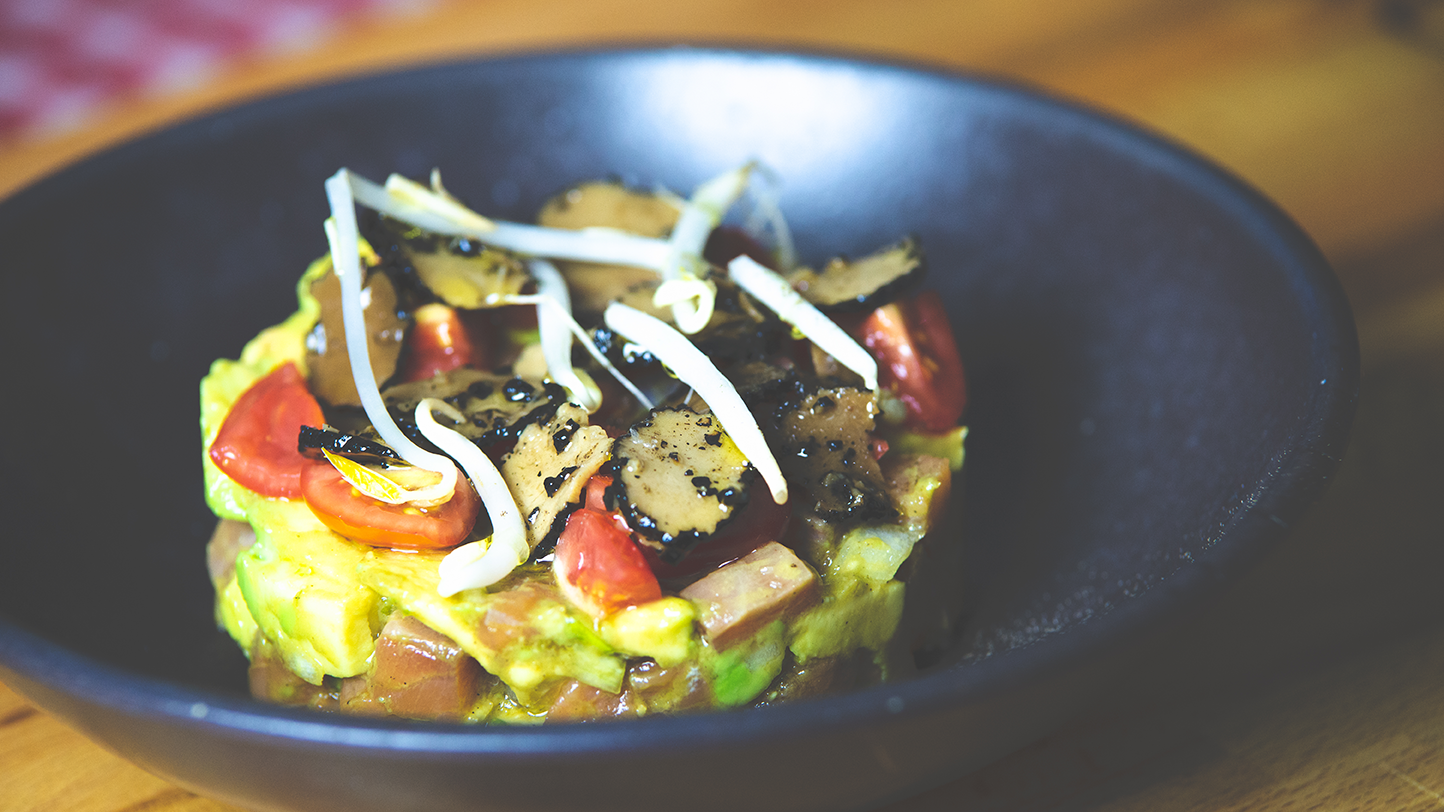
(1278, 500)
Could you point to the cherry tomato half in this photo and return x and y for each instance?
(439, 342)
(256, 445)
(598, 566)
(357, 516)
(918, 360)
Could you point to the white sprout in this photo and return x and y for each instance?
(344, 240)
(679, 257)
(480, 563)
(604, 246)
(438, 188)
(772, 290)
(439, 212)
(556, 335)
(436, 201)
(440, 220)
(413, 203)
(702, 213)
(695, 369)
(692, 301)
(585, 338)
(766, 216)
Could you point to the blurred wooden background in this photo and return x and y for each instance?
(1316, 684)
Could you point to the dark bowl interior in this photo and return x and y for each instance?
(1162, 371)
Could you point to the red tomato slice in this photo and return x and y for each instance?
(256, 445)
(598, 566)
(357, 516)
(438, 342)
(918, 360)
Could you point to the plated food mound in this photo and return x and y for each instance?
(628, 460)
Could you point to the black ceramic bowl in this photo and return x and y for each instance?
(1162, 369)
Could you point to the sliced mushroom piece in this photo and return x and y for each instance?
(602, 204)
(497, 408)
(678, 479)
(767, 389)
(550, 466)
(608, 204)
(821, 434)
(861, 284)
(824, 443)
(326, 356)
(455, 386)
(460, 271)
(463, 274)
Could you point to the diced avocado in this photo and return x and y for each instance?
(318, 600)
(854, 614)
(299, 583)
(874, 553)
(743, 671)
(920, 485)
(948, 445)
(661, 629)
(233, 616)
(862, 605)
(524, 633)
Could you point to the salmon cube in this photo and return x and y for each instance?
(272, 681)
(741, 598)
(419, 673)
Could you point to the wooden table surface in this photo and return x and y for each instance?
(1318, 682)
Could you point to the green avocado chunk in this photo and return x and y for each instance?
(743, 671)
(299, 582)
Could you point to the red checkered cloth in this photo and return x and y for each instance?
(61, 61)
